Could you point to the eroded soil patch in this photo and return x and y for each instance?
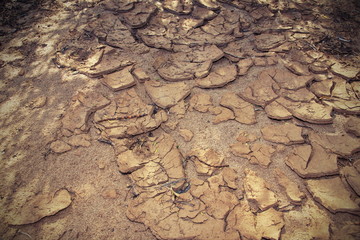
(180, 120)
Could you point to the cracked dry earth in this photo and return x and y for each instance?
(181, 119)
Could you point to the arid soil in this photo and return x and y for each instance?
(180, 119)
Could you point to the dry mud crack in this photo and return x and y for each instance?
(180, 119)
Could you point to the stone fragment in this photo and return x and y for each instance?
(244, 65)
(307, 222)
(166, 95)
(184, 66)
(81, 140)
(218, 78)
(207, 160)
(312, 111)
(119, 80)
(40, 206)
(140, 75)
(352, 177)
(258, 192)
(347, 72)
(352, 126)
(109, 194)
(323, 88)
(186, 134)
(276, 111)
(286, 134)
(261, 91)
(101, 164)
(341, 144)
(60, 146)
(265, 41)
(291, 188)
(320, 163)
(290, 81)
(222, 114)
(332, 194)
(244, 111)
(201, 102)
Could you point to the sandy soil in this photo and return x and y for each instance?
(179, 119)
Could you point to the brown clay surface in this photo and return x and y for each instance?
(179, 119)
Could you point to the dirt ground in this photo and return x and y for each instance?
(180, 119)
